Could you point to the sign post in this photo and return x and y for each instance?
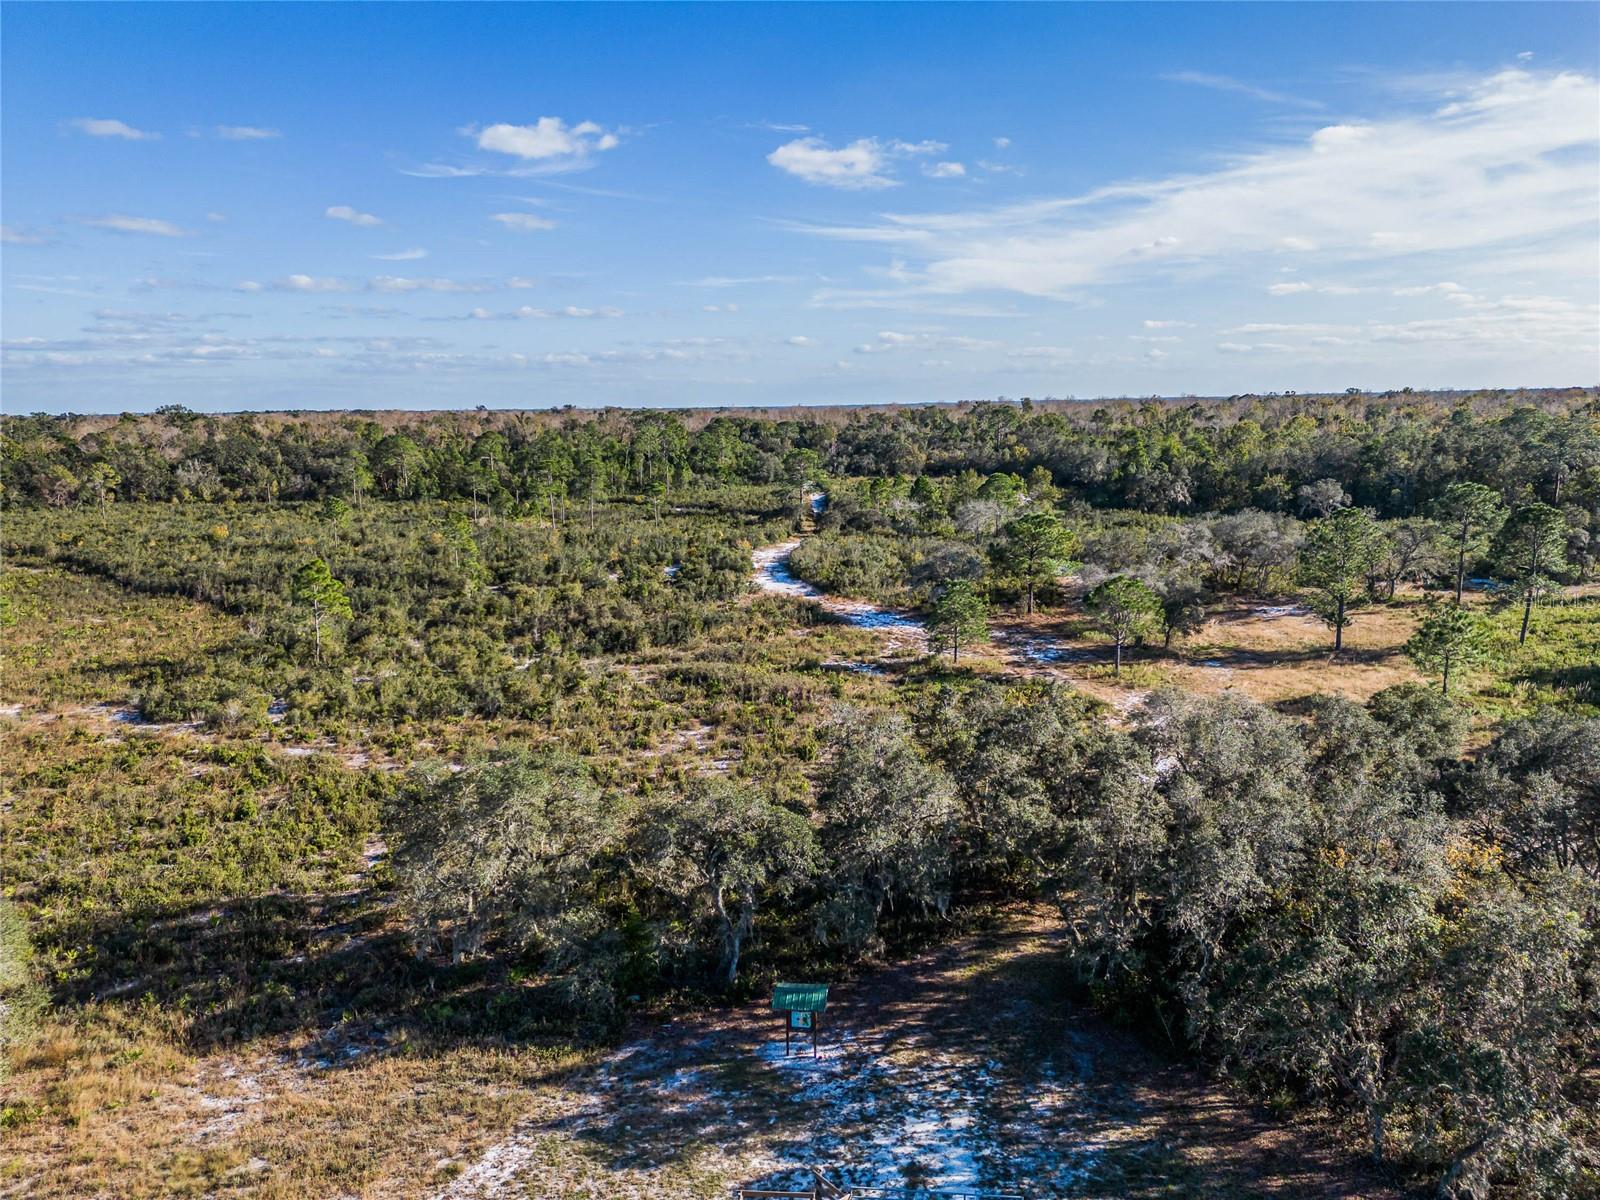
(802, 1004)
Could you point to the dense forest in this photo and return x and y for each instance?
(1392, 453)
(519, 654)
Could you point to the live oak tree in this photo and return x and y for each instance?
(506, 847)
(1535, 793)
(1471, 514)
(1251, 546)
(1124, 609)
(1327, 975)
(317, 589)
(1340, 551)
(1450, 638)
(1410, 552)
(1530, 550)
(1322, 498)
(1500, 1030)
(887, 814)
(1034, 550)
(960, 617)
(723, 851)
(1183, 610)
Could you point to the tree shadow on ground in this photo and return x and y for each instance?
(970, 1056)
(329, 971)
(1238, 658)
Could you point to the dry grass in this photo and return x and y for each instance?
(81, 639)
(142, 1120)
(1270, 652)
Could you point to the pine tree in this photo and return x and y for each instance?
(960, 617)
(1449, 638)
(315, 587)
(1036, 546)
(1532, 547)
(1472, 513)
(1124, 608)
(1339, 552)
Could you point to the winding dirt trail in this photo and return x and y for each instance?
(771, 573)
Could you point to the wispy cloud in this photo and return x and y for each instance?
(889, 341)
(725, 281)
(154, 226)
(1226, 83)
(13, 235)
(403, 255)
(108, 127)
(386, 284)
(245, 133)
(1503, 169)
(343, 212)
(523, 222)
(527, 312)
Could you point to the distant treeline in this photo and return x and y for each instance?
(1394, 454)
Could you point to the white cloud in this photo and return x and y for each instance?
(10, 235)
(310, 283)
(800, 339)
(403, 255)
(1000, 143)
(1443, 289)
(549, 144)
(863, 164)
(387, 284)
(106, 127)
(1148, 324)
(528, 313)
(343, 212)
(891, 340)
(725, 281)
(401, 283)
(523, 222)
(1300, 287)
(125, 224)
(858, 165)
(944, 170)
(1502, 168)
(245, 133)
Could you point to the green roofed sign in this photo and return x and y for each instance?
(799, 1003)
(800, 997)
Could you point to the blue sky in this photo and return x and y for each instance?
(239, 206)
